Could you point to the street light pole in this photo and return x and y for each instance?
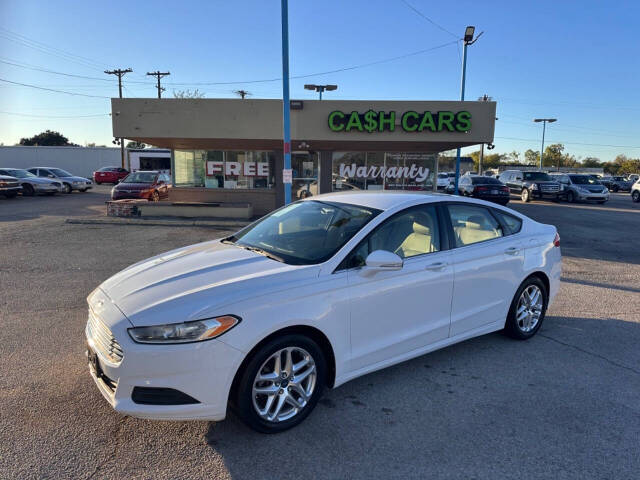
(467, 40)
(286, 107)
(544, 128)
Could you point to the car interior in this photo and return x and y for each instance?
(473, 225)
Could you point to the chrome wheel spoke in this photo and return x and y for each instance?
(529, 308)
(291, 400)
(269, 390)
(276, 411)
(297, 388)
(521, 313)
(288, 365)
(298, 379)
(301, 364)
(265, 411)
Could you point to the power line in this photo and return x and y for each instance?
(54, 116)
(44, 48)
(52, 90)
(569, 143)
(316, 74)
(431, 21)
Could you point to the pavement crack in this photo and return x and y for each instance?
(114, 453)
(593, 354)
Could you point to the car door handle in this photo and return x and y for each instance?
(512, 251)
(436, 266)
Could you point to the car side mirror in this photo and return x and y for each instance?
(51, 175)
(382, 261)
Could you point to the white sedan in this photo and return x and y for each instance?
(315, 294)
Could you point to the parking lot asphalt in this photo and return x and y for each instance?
(562, 405)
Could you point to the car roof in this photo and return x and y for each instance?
(381, 200)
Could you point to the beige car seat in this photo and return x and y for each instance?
(476, 230)
(419, 241)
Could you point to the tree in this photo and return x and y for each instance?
(47, 138)
(591, 162)
(553, 155)
(188, 94)
(531, 157)
(514, 156)
(136, 145)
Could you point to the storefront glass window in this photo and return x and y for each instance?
(383, 171)
(224, 169)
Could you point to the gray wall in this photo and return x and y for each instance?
(82, 161)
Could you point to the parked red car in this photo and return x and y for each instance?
(149, 185)
(109, 175)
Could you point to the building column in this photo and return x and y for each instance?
(325, 178)
(279, 186)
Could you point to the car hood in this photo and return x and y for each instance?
(133, 186)
(196, 282)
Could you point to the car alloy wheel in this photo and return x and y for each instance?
(525, 195)
(28, 190)
(635, 196)
(155, 196)
(284, 384)
(529, 308)
(67, 188)
(570, 197)
(280, 383)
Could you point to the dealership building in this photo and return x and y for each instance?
(231, 150)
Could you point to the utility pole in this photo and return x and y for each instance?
(242, 93)
(321, 88)
(158, 74)
(120, 73)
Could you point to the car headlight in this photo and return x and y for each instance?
(534, 186)
(186, 332)
(583, 190)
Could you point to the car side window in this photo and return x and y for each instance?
(511, 222)
(409, 233)
(473, 224)
(43, 173)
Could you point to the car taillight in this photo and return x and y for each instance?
(556, 240)
(480, 189)
(505, 189)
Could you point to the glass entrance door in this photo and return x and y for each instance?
(305, 168)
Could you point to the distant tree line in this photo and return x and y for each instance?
(555, 156)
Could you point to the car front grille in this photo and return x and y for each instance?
(11, 184)
(103, 339)
(549, 188)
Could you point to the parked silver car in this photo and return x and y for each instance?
(69, 182)
(9, 186)
(583, 188)
(32, 185)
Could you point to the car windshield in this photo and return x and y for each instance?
(58, 172)
(19, 173)
(140, 177)
(443, 175)
(537, 176)
(583, 180)
(304, 233)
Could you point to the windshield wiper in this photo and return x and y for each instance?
(261, 251)
(230, 240)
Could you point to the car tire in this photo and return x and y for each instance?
(525, 195)
(571, 197)
(247, 404)
(524, 324)
(67, 188)
(615, 188)
(155, 196)
(28, 190)
(635, 196)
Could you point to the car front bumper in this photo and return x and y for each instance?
(594, 197)
(202, 370)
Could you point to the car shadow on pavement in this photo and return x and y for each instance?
(460, 410)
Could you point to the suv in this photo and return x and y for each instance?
(576, 187)
(635, 191)
(531, 184)
(620, 183)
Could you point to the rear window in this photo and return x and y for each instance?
(511, 222)
(485, 181)
(539, 176)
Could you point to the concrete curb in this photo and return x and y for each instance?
(225, 224)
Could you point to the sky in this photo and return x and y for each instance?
(576, 61)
